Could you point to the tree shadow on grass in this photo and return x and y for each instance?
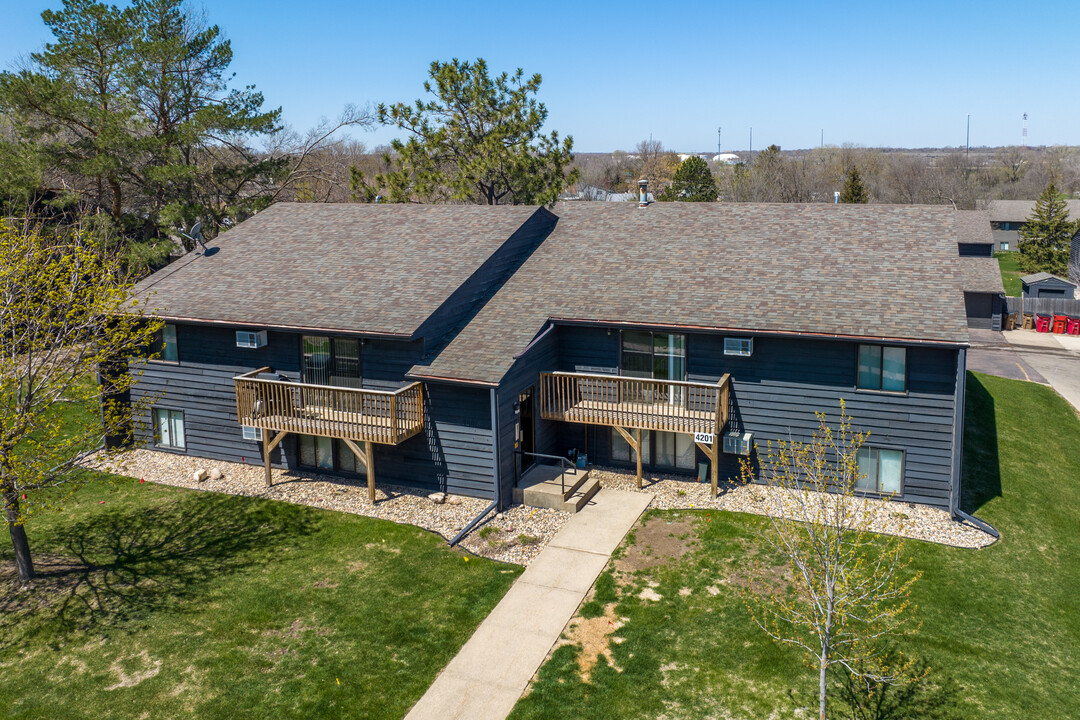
(981, 472)
(121, 565)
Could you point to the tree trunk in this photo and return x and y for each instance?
(117, 203)
(18, 538)
(822, 689)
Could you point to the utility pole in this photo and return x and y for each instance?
(967, 151)
(719, 147)
(822, 137)
(751, 140)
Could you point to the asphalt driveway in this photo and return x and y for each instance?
(1027, 355)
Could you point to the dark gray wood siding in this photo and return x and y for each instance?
(976, 249)
(455, 453)
(776, 392)
(1050, 287)
(524, 373)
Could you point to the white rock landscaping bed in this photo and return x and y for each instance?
(672, 492)
(521, 532)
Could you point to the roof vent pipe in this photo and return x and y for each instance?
(643, 192)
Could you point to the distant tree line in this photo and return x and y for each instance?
(886, 176)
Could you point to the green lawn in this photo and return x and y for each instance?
(157, 602)
(1003, 622)
(1010, 272)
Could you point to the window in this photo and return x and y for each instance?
(325, 453)
(675, 450)
(882, 368)
(331, 361)
(620, 449)
(170, 352)
(169, 428)
(1004, 246)
(741, 347)
(252, 433)
(880, 470)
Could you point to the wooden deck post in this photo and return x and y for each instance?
(370, 472)
(714, 471)
(638, 438)
(268, 447)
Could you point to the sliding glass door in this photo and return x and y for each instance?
(331, 361)
(657, 356)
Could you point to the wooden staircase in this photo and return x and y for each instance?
(550, 486)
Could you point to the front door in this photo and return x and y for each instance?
(526, 429)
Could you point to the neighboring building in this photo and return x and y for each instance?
(984, 292)
(448, 346)
(727, 159)
(975, 238)
(1008, 216)
(1045, 285)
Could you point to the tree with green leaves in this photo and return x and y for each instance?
(692, 182)
(854, 191)
(479, 140)
(67, 312)
(850, 587)
(1046, 235)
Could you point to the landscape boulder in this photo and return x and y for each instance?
(199, 475)
(437, 497)
(216, 474)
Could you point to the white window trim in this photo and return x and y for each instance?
(736, 347)
(251, 433)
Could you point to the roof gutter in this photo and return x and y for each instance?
(288, 328)
(774, 333)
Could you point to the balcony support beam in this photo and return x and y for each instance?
(366, 457)
(713, 453)
(634, 441)
(268, 447)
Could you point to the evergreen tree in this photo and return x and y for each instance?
(1046, 235)
(854, 191)
(478, 141)
(692, 182)
(132, 108)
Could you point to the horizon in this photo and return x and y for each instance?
(895, 92)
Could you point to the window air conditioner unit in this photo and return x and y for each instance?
(252, 433)
(738, 443)
(249, 339)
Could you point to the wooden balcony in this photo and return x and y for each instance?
(353, 415)
(637, 404)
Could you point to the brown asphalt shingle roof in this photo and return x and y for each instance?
(380, 269)
(884, 271)
(973, 227)
(981, 275)
(1040, 276)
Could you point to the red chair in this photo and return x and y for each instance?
(1042, 323)
(1061, 322)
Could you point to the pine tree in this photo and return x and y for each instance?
(478, 141)
(854, 191)
(692, 182)
(1046, 235)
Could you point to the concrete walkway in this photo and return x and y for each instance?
(486, 678)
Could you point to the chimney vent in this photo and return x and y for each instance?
(643, 192)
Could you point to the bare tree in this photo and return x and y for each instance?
(851, 586)
(66, 313)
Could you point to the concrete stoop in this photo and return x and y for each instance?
(548, 486)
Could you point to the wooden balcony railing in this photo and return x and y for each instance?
(376, 416)
(627, 402)
(633, 405)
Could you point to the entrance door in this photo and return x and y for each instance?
(526, 429)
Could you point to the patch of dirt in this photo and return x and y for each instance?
(296, 629)
(325, 583)
(756, 575)
(650, 595)
(595, 636)
(382, 546)
(150, 668)
(658, 542)
(356, 566)
(56, 576)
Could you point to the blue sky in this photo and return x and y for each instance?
(901, 74)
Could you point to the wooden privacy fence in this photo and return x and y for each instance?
(377, 416)
(1043, 306)
(673, 406)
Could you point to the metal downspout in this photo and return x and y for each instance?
(497, 502)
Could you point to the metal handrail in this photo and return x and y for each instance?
(565, 462)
